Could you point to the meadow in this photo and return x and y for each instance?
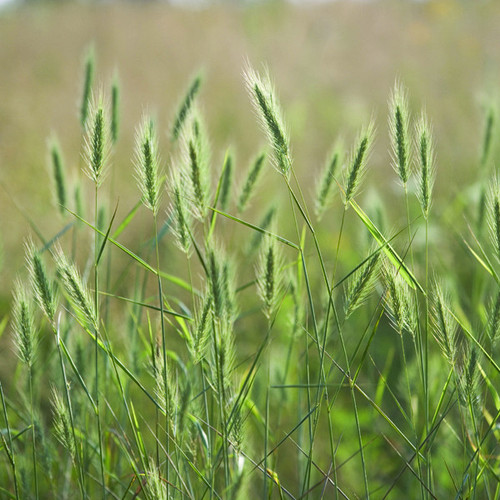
(250, 252)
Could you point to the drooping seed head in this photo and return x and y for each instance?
(270, 115)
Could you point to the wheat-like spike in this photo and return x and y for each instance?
(269, 282)
(357, 162)
(78, 293)
(227, 180)
(494, 320)
(400, 302)
(229, 293)
(181, 214)
(155, 486)
(58, 174)
(468, 377)
(215, 283)
(196, 164)
(41, 285)
(115, 108)
(325, 181)
(426, 160)
(252, 176)
(445, 327)
(97, 139)
(88, 80)
(494, 216)
(147, 164)
(62, 423)
(361, 284)
(263, 96)
(224, 365)
(185, 107)
(24, 325)
(167, 396)
(399, 124)
(264, 224)
(488, 135)
(201, 331)
(78, 200)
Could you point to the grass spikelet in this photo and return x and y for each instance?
(269, 280)
(400, 302)
(426, 163)
(62, 423)
(185, 107)
(268, 110)
(181, 215)
(494, 216)
(42, 287)
(115, 108)
(444, 325)
(252, 176)
(78, 293)
(227, 180)
(361, 284)
(201, 331)
(24, 325)
(488, 135)
(196, 165)
(147, 164)
(357, 162)
(493, 328)
(399, 120)
(155, 486)
(470, 376)
(264, 224)
(325, 181)
(77, 194)
(97, 139)
(58, 174)
(88, 80)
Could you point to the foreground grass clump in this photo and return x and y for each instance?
(302, 356)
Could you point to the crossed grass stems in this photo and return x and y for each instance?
(196, 445)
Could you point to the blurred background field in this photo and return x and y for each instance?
(333, 65)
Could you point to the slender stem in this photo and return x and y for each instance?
(33, 430)
(96, 343)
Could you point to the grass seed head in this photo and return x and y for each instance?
(88, 80)
(185, 107)
(399, 124)
(147, 163)
(250, 183)
(24, 325)
(324, 193)
(426, 160)
(58, 174)
(264, 99)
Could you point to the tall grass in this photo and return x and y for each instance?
(218, 357)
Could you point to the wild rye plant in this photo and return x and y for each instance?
(265, 364)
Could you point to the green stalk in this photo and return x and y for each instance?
(33, 431)
(96, 343)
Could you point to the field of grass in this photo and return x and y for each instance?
(329, 331)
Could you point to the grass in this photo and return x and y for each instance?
(179, 332)
(204, 362)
